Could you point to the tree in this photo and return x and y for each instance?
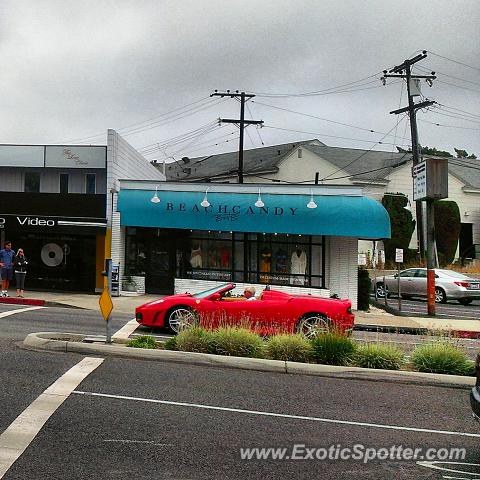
(447, 230)
(464, 154)
(401, 221)
(436, 153)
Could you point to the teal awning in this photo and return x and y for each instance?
(335, 215)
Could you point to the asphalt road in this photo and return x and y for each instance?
(451, 309)
(124, 433)
(52, 319)
(115, 426)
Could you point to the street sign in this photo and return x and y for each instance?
(106, 304)
(399, 255)
(430, 179)
(115, 280)
(419, 181)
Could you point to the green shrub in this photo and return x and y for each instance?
(143, 341)
(447, 230)
(469, 368)
(293, 348)
(377, 355)
(194, 339)
(237, 342)
(440, 357)
(332, 349)
(170, 344)
(402, 224)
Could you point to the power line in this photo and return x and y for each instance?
(358, 158)
(447, 75)
(454, 61)
(257, 129)
(174, 118)
(459, 86)
(459, 110)
(449, 126)
(330, 136)
(179, 139)
(320, 118)
(453, 116)
(142, 122)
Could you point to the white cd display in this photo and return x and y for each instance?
(52, 254)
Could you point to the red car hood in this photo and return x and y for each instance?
(165, 299)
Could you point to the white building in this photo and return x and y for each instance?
(376, 172)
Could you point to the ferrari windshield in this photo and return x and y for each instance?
(210, 291)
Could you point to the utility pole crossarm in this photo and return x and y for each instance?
(241, 122)
(246, 122)
(416, 106)
(216, 93)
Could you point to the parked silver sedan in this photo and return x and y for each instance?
(449, 285)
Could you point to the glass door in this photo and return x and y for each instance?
(160, 265)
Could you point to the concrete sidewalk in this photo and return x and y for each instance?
(379, 318)
(375, 318)
(84, 300)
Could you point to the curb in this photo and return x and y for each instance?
(366, 327)
(71, 342)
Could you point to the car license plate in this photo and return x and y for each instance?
(475, 286)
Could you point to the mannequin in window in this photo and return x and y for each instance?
(298, 266)
(196, 256)
(225, 257)
(265, 264)
(265, 260)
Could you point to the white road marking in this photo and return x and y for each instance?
(438, 465)
(19, 310)
(127, 329)
(150, 442)
(18, 436)
(281, 415)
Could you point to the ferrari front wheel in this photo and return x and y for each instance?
(181, 318)
(313, 324)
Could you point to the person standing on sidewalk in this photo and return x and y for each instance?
(20, 266)
(6, 266)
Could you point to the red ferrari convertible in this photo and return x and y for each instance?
(272, 312)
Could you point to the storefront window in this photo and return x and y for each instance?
(283, 259)
(135, 252)
(32, 182)
(206, 255)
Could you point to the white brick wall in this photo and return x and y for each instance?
(342, 271)
(124, 162)
(195, 286)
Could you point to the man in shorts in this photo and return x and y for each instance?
(6, 266)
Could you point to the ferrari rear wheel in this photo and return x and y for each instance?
(181, 318)
(313, 324)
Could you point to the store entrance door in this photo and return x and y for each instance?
(160, 266)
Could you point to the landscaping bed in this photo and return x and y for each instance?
(438, 355)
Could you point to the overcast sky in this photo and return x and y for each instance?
(72, 69)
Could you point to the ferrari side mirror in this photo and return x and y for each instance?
(215, 296)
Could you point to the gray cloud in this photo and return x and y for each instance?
(71, 69)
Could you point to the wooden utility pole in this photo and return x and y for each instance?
(404, 71)
(244, 97)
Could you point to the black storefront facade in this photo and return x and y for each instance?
(63, 236)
